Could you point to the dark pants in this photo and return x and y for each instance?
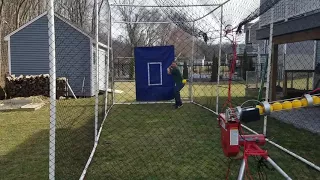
(177, 96)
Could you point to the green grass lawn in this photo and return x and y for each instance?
(24, 139)
(158, 142)
(207, 89)
(198, 89)
(141, 141)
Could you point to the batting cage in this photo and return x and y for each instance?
(161, 89)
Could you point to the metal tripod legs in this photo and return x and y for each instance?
(278, 168)
(243, 167)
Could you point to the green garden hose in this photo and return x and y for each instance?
(262, 80)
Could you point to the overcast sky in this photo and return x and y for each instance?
(234, 12)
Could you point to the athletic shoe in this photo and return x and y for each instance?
(177, 107)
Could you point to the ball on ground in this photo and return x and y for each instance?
(287, 105)
(276, 106)
(296, 103)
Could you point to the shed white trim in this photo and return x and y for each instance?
(92, 69)
(9, 56)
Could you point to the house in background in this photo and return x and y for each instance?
(295, 38)
(28, 52)
(290, 54)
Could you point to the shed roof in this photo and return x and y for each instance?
(75, 26)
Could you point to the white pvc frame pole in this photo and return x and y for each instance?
(286, 150)
(112, 60)
(258, 67)
(268, 71)
(113, 75)
(191, 65)
(242, 168)
(96, 109)
(219, 62)
(52, 65)
(226, 59)
(164, 6)
(84, 172)
(284, 62)
(285, 175)
(108, 65)
(314, 63)
(286, 10)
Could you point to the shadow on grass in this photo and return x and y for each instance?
(74, 142)
(157, 142)
(29, 160)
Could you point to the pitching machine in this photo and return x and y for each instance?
(232, 139)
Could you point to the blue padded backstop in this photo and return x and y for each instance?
(152, 81)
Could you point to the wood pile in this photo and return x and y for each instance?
(38, 85)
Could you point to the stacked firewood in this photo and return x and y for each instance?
(38, 85)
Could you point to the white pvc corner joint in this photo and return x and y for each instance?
(309, 99)
(238, 112)
(267, 108)
(228, 114)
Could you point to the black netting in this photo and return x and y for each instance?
(87, 89)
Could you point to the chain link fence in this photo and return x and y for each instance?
(90, 80)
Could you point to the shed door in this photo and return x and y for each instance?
(102, 70)
(152, 81)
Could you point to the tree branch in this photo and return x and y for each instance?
(18, 13)
(1, 7)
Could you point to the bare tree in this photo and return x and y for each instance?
(19, 6)
(182, 42)
(41, 4)
(77, 11)
(12, 15)
(1, 7)
(143, 34)
(155, 33)
(164, 31)
(134, 30)
(93, 22)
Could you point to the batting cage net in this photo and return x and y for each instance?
(162, 89)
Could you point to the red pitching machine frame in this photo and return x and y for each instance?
(232, 140)
(229, 122)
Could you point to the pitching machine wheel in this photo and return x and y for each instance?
(228, 29)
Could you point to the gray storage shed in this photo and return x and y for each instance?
(28, 53)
